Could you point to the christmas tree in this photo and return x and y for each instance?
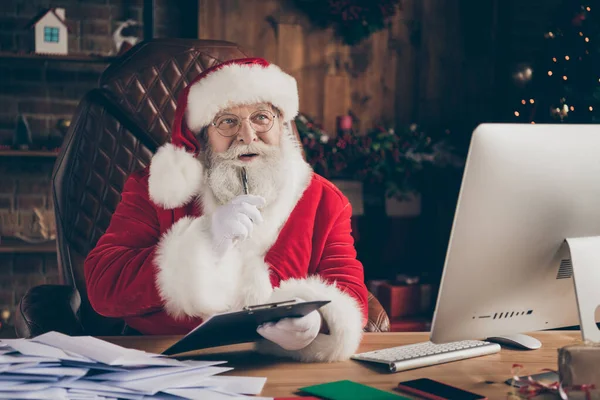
(564, 84)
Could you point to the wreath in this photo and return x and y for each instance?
(352, 20)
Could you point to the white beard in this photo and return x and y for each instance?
(266, 175)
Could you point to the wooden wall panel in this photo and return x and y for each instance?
(290, 55)
(415, 70)
(405, 41)
(265, 43)
(389, 72)
(239, 22)
(210, 19)
(315, 69)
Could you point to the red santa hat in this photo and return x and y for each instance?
(175, 172)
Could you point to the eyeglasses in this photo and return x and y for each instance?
(229, 125)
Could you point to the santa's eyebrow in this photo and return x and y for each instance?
(220, 114)
(261, 107)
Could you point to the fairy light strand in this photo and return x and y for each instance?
(565, 109)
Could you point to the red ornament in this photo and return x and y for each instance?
(344, 123)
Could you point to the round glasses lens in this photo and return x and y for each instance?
(228, 124)
(262, 121)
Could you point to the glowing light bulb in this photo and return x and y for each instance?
(587, 39)
(580, 33)
(591, 108)
(572, 108)
(523, 101)
(564, 77)
(567, 58)
(531, 101)
(588, 8)
(554, 59)
(517, 114)
(532, 122)
(549, 73)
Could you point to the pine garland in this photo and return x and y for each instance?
(382, 156)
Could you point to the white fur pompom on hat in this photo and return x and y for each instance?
(175, 172)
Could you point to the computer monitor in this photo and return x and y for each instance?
(525, 189)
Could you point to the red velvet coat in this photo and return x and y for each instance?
(139, 269)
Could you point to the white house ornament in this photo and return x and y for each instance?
(50, 32)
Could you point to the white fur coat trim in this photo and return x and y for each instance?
(240, 84)
(175, 177)
(193, 281)
(343, 316)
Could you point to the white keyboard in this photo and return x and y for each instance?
(425, 354)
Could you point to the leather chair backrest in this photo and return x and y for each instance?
(115, 130)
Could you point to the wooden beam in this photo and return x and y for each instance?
(290, 54)
(406, 41)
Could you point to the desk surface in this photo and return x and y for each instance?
(483, 375)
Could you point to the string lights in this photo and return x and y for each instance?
(578, 58)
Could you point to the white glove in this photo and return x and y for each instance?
(234, 221)
(292, 333)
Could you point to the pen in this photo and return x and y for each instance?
(244, 180)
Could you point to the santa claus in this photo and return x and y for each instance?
(229, 215)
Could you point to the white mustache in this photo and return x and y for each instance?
(254, 148)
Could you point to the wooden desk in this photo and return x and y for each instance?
(483, 375)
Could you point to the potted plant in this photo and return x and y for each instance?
(397, 160)
(393, 160)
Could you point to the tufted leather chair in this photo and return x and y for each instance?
(116, 129)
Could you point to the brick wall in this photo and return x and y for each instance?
(19, 272)
(45, 93)
(24, 185)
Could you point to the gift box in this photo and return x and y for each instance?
(579, 368)
(400, 300)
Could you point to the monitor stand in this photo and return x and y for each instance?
(585, 262)
(585, 258)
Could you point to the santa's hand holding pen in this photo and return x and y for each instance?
(234, 221)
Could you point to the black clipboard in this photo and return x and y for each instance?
(240, 326)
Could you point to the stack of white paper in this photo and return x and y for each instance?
(56, 366)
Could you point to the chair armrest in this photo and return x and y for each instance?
(378, 318)
(48, 308)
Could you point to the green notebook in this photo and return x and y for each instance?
(348, 390)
